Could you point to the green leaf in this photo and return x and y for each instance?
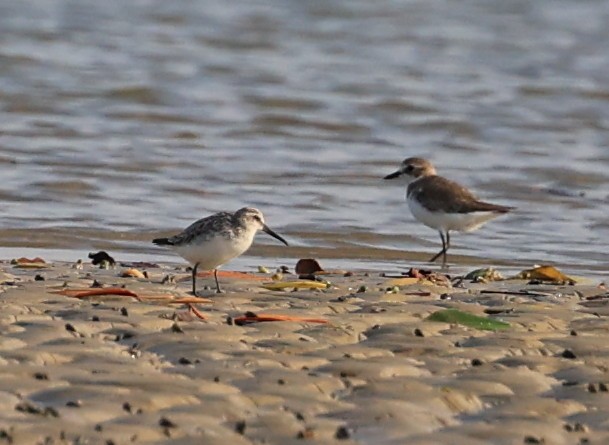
(466, 319)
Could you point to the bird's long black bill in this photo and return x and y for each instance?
(273, 234)
(393, 175)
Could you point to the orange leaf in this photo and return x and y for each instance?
(196, 312)
(256, 318)
(85, 293)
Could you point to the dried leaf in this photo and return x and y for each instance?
(250, 317)
(300, 284)
(545, 273)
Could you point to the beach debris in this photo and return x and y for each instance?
(94, 292)
(455, 316)
(133, 273)
(298, 284)
(342, 433)
(78, 265)
(251, 317)
(483, 275)
(167, 423)
(262, 269)
(547, 274)
(140, 265)
(31, 408)
(196, 312)
(420, 276)
(98, 258)
(307, 266)
(27, 263)
(307, 433)
(230, 274)
(122, 292)
(240, 427)
(567, 353)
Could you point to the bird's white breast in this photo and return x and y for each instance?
(461, 222)
(215, 251)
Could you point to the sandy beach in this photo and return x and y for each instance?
(113, 369)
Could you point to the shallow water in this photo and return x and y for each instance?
(121, 121)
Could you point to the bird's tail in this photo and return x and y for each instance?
(162, 242)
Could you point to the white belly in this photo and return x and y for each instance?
(461, 222)
(214, 252)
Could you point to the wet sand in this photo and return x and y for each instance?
(115, 370)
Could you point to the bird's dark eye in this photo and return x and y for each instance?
(409, 168)
(257, 218)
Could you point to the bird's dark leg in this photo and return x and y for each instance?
(194, 279)
(218, 291)
(446, 248)
(441, 252)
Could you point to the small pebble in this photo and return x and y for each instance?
(418, 333)
(534, 440)
(184, 361)
(342, 433)
(240, 427)
(307, 433)
(477, 362)
(74, 403)
(124, 312)
(70, 328)
(567, 353)
(166, 423)
(39, 277)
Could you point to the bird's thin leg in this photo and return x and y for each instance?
(218, 291)
(446, 248)
(194, 279)
(441, 252)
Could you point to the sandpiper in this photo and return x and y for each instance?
(442, 204)
(213, 241)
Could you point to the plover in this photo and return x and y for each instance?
(442, 204)
(213, 241)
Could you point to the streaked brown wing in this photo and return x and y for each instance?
(439, 194)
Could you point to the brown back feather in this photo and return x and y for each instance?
(439, 194)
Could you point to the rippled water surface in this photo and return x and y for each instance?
(121, 121)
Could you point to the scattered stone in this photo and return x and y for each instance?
(30, 408)
(39, 277)
(534, 440)
(240, 427)
(567, 353)
(41, 376)
(166, 423)
(124, 312)
(307, 433)
(342, 433)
